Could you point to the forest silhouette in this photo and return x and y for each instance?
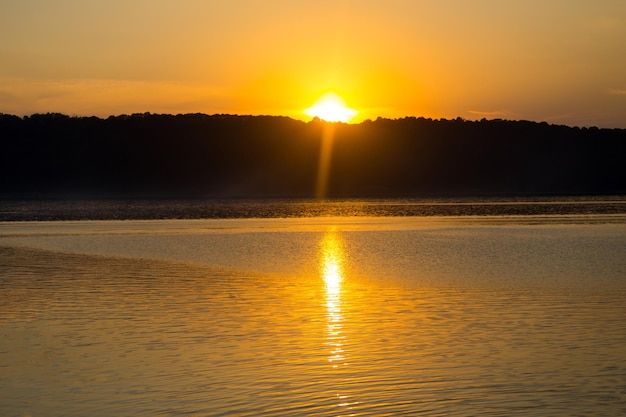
(228, 156)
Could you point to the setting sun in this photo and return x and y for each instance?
(331, 108)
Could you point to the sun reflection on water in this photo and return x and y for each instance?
(332, 263)
(332, 271)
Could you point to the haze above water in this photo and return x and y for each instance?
(458, 315)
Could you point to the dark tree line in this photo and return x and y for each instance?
(196, 155)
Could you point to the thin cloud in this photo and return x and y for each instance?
(617, 92)
(488, 113)
(106, 97)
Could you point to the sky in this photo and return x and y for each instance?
(559, 61)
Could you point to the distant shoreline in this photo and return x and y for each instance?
(229, 156)
(128, 209)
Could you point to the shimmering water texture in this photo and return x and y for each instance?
(314, 317)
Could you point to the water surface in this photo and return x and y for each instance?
(336, 316)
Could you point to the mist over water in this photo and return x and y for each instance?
(463, 315)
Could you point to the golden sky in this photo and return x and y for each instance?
(546, 60)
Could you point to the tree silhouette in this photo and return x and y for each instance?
(197, 155)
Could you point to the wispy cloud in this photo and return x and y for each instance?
(497, 113)
(617, 92)
(105, 97)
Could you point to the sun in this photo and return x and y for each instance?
(331, 108)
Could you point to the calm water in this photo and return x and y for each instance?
(331, 316)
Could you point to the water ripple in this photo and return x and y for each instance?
(102, 335)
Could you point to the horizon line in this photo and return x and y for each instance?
(312, 120)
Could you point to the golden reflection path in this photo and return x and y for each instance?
(332, 270)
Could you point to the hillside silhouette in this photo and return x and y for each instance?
(216, 156)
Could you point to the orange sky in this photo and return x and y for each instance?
(546, 60)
